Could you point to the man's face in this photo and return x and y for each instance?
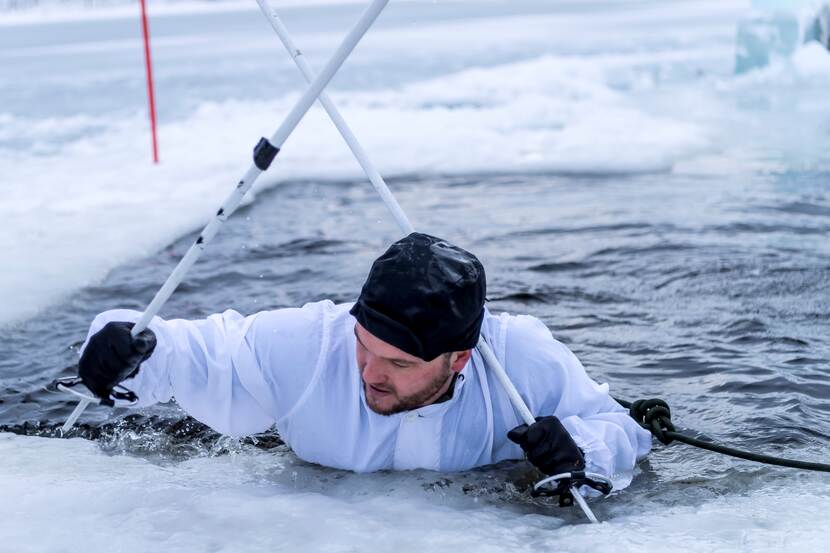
(395, 381)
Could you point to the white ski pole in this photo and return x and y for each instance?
(520, 406)
(359, 153)
(379, 184)
(264, 154)
(397, 212)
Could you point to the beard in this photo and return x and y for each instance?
(412, 401)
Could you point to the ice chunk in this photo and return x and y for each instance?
(818, 27)
(777, 28)
(762, 37)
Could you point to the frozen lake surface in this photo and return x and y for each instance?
(666, 219)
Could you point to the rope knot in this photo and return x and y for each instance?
(655, 416)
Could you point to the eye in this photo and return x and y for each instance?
(401, 364)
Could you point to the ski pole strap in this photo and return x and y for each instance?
(123, 395)
(565, 486)
(655, 416)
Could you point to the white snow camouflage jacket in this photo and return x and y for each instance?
(295, 368)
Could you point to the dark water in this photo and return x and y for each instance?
(708, 291)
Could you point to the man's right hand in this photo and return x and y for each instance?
(113, 355)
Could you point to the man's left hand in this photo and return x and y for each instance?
(548, 446)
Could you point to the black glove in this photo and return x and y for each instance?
(548, 446)
(113, 355)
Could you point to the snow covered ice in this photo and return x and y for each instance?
(70, 493)
(614, 89)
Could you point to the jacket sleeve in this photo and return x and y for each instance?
(554, 382)
(236, 374)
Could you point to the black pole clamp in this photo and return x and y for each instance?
(264, 154)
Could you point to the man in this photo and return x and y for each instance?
(389, 382)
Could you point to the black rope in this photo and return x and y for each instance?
(655, 416)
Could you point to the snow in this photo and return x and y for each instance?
(812, 60)
(38, 12)
(45, 12)
(66, 495)
(783, 5)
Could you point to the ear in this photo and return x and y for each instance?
(460, 360)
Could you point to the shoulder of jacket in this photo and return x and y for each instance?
(310, 313)
(528, 327)
(528, 337)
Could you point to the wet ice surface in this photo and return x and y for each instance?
(666, 220)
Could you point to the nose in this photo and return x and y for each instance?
(372, 370)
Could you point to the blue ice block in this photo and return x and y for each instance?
(776, 28)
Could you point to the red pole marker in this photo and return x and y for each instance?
(145, 29)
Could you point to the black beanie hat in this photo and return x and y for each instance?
(424, 296)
